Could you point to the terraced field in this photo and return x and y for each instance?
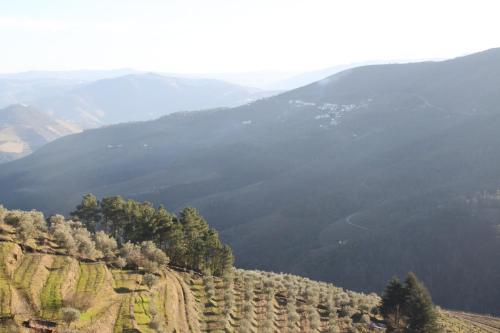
(142, 311)
(51, 297)
(25, 274)
(460, 322)
(124, 320)
(91, 278)
(252, 301)
(5, 285)
(125, 284)
(246, 301)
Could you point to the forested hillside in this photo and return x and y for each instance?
(369, 173)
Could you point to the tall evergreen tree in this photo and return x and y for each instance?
(195, 231)
(88, 212)
(176, 245)
(163, 222)
(194, 224)
(392, 307)
(408, 308)
(114, 216)
(419, 307)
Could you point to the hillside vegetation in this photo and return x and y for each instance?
(43, 275)
(370, 173)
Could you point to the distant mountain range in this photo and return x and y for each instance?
(24, 129)
(282, 81)
(140, 97)
(75, 75)
(368, 173)
(132, 97)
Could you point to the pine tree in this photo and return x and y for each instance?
(177, 246)
(114, 218)
(419, 307)
(88, 212)
(408, 308)
(392, 307)
(195, 229)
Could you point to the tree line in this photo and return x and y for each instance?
(126, 233)
(186, 238)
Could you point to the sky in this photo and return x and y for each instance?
(224, 36)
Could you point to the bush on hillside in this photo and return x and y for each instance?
(106, 244)
(29, 225)
(70, 315)
(144, 255)
(149, 280)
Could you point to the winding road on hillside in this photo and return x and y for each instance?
(348, 220)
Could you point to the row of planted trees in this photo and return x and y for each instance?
(268, 302)
(126, 232)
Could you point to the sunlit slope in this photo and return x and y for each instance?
(38, 286)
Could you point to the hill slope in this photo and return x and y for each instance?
(372, 172)
(24, 129)
(30, 87)
(133, 97)
(36, 286)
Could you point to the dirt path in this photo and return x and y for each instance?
(190, 306)
(179, 306)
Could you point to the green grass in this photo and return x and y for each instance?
(91, 278)
(25, 273)
(160, 304)
(26, 270)
(125, 282)
(5, 297)
(92, 315)
(50, 297)
(124, 320)
(142, 315)
(5, 292)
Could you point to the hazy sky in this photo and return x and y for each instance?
(237, 35)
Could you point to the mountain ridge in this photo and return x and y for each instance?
(96, 99)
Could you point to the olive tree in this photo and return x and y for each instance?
(149, 280)
(70, 315)
(106, 244)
